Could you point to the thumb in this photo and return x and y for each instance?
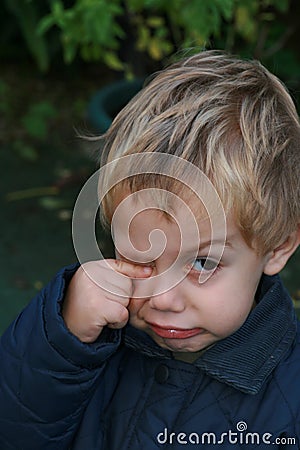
(129, 269)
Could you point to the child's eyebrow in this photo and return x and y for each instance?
(209, 243)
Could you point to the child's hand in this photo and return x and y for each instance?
(87, 308)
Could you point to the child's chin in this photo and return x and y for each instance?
(179, 345)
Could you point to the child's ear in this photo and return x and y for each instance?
(277, 258)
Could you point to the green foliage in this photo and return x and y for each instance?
(36, 119)
(25, 150)
(203, 19)
(27, 15)
(24, 130)
(116, 32)
(90, 28)
(32, 128)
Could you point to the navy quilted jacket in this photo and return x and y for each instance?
(125, 392)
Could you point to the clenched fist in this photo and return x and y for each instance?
(91, 305)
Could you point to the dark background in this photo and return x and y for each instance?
(46, 88)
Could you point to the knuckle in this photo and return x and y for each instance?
(121, 312)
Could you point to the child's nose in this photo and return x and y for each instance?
(170, 300)
(164, 290)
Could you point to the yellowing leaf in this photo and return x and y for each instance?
(245, 23)
(113, 61)
(155, 21)
(155, 50)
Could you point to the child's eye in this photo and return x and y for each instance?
(204, 264)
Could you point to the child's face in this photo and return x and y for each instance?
(191, 316)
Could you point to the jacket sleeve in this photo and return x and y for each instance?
(47, 375)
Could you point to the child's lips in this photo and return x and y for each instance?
(169, 332)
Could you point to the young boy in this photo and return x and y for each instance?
(187, 338)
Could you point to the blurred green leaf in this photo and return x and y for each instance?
(113, 61)
(35, 121)
(52, 203)
(25, 151)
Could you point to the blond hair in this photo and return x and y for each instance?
(236, 122)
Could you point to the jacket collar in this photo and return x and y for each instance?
(245, 359)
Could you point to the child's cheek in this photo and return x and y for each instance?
(231, 322)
